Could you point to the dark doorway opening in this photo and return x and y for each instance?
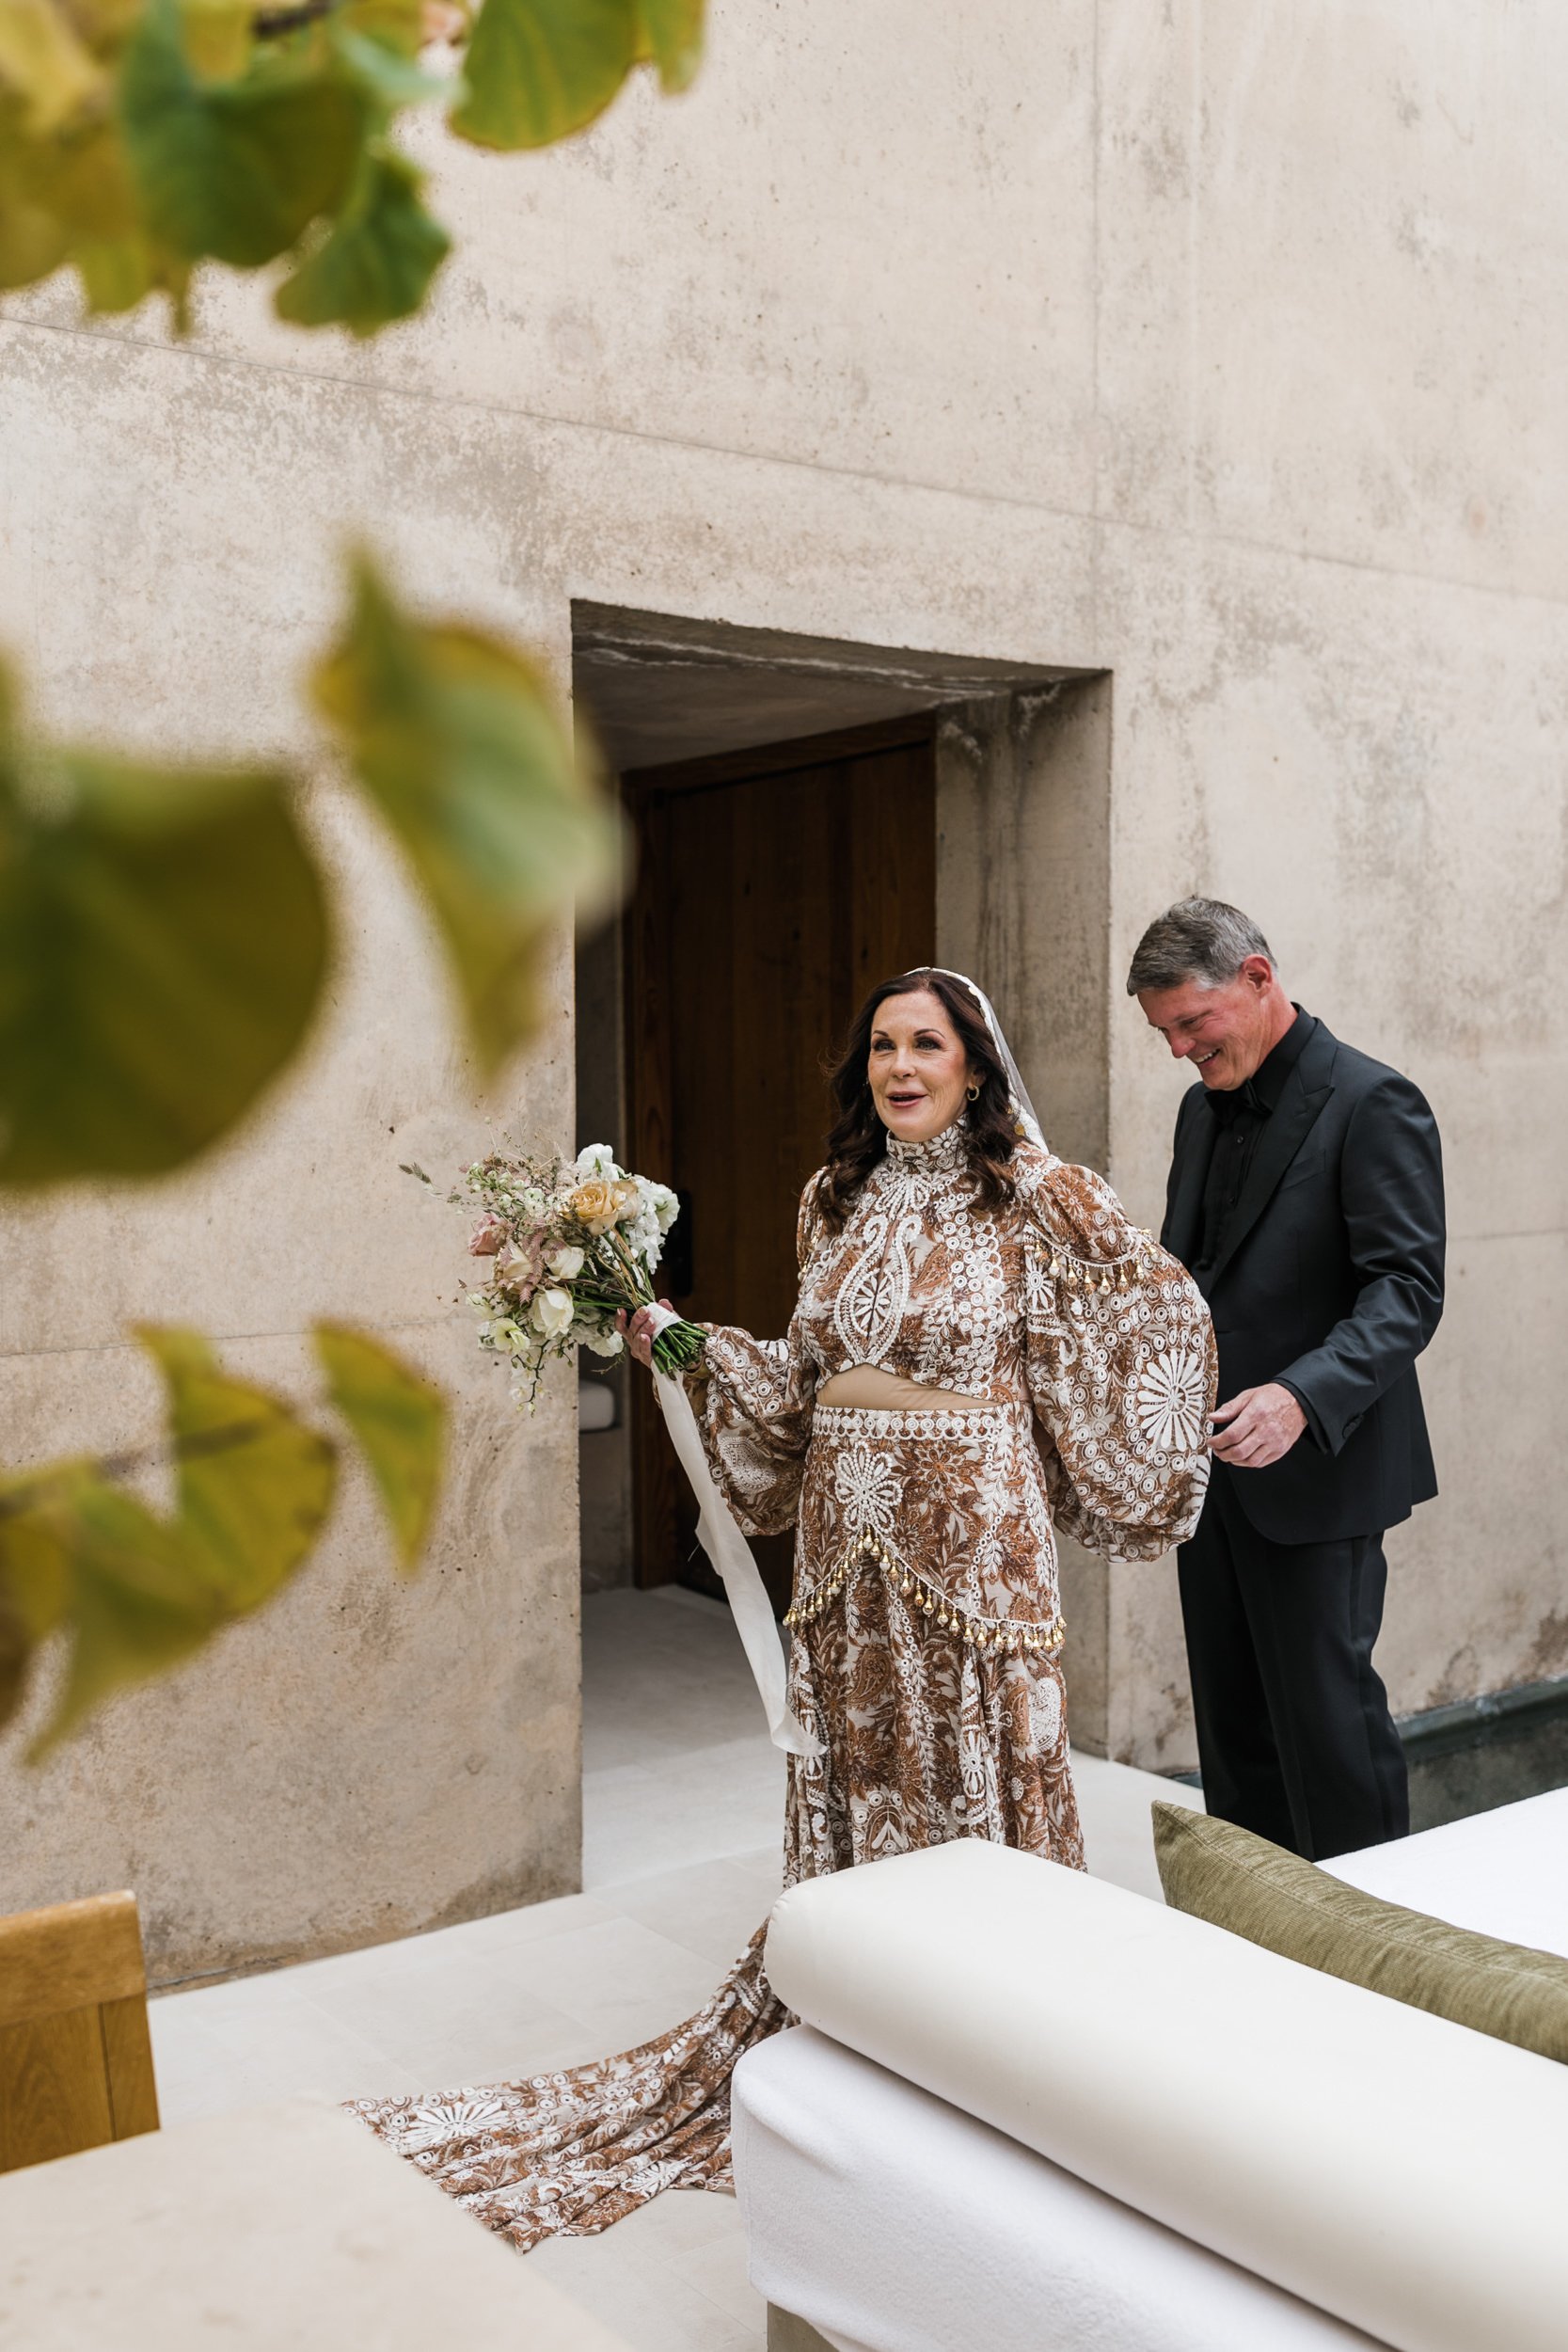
(774, 887)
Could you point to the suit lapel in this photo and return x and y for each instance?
(1195, 1149)
(1306, 1090)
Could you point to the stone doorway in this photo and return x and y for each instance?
(744, 756)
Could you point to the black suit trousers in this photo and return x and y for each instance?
(1294, 1737)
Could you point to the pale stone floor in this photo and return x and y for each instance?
(682, 1799)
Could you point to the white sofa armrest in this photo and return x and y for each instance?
(1401, 2172)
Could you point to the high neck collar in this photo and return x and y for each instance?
(933, 1155)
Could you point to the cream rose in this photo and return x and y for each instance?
(550, 1314)
(565, 1265)
(595, 1204)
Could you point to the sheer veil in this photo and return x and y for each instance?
(1024, 1110)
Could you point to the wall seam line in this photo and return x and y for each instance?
(1097, 525)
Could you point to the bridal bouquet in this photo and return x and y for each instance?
(574, 1245)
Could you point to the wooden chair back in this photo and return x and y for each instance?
(76, 2055)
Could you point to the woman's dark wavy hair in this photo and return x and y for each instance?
(859, 1140)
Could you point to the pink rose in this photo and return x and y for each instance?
(523, 1269)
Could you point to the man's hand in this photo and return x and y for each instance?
(1257, 1427)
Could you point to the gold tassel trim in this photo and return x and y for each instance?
(1005, 1637)
(1102, 1277)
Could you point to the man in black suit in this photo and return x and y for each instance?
(1305, 1196)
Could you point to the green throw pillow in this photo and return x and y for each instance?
(1236, 1880)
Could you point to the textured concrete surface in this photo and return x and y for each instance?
(280, 2224)
(1218, 348)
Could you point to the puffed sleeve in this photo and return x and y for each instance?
(1121, 1369)
(754, 1401)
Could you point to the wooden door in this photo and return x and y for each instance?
(774, 889)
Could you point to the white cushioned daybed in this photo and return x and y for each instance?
(1028, 2109)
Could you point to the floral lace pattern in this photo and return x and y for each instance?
(867, 1489)
(1057, 1302)
(566, 2153)
(926, 1623)
(930, 1675)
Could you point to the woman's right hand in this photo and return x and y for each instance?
(641, 1333)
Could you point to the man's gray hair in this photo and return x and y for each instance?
(1196, 939)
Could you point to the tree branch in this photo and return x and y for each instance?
(194, 1448)
(272, 23)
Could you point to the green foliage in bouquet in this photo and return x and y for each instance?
(140, 139)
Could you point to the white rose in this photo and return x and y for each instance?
(595, 1159)
(565, 1265)
(550, 1314)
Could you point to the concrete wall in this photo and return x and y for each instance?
(1218, 347)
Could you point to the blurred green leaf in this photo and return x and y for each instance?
(35, 1566)
(34, 240)
(399, 1420)
(673, 33)
(162, 940)
(35, 1571)
(139, 1602)
(378, 258)
(69, 198)
(117, 273)
(134, 1592)
(255, 1482)
(457, 742)
(219, 36)
(398, 25)
(141, 137)
(43, 58)
(16, 1658)
(237, 171)
(387, 71)
(538, 69)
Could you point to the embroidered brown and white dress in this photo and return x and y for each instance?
(925, 1621)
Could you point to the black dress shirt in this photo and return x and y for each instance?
(1240, 1112)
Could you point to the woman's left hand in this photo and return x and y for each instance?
(642, 1331)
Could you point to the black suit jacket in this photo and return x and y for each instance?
(1331, 1279)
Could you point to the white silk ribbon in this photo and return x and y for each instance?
(731, 1555)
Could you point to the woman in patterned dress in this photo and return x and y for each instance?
(983, 1349)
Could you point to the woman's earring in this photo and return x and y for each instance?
(973, 1092)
